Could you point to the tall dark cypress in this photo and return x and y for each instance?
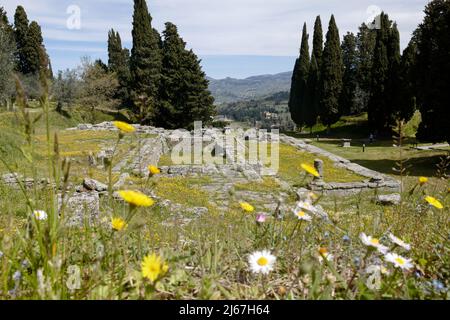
(406, 98)
(317, 50)
(312, 94)
(349, 57)
(118, 62)
(184, 93)
(433, 66)
(380, 104)
(145, 62)
(299, 82)
(365, 43)
(294, 92)
(21, 30)
(34, 50)
(394, 85)
(331, 76)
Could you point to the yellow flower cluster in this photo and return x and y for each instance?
(153, 268)
(153, 170)
(434, 202)
(124, 127)
(247, 207)
(310, 169)
(118, 224)
(423, 180)
(136, 198)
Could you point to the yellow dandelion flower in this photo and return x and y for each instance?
(124, 127)
(423, 180)
(152, 267)
(310, 169)
(118, 224)
(153, 170)
(247, 207)
(136, 198)
(434, 202)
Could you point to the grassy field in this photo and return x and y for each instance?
(159, 253)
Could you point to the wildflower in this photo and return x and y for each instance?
(423, 180)
(399, 261)
(247, 207)
(434, 202)
(346, 238)
(438, 285)
(118, 224)
(399, 242)
(153, 170)
(261, 218)
(153, 268)
(136, 198)
(40, 215)
(124, 127)
(1, 254)
(324, 254)
(301, 215)
(309, 208)
(262, 262)
(310, 169)
(373, 242)
(17, 276)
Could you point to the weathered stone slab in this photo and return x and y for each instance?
(388, 200)
(80, 208)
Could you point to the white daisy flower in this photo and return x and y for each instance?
(309, 208)
(399, 242)
(398, 261)
(40, 215)
(305, 205)
(373, 242)
(302, 215)
(261, 262)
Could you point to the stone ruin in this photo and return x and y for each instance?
(84, 201)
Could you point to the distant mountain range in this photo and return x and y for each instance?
(233, 90)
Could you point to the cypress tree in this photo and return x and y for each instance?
(406, 104)
(350, 68)
(365, 43)
(21, 30)
(385, 80)
(299, 82)
(184, 88)
(312, 94)
(145, 62)
(394, 85)
(380, 73)
(118, 62)
(7, 51)
(317, 50)
(293, 95)
(331, 76)
(34, 49)
(433, 66)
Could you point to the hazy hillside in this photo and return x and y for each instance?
(233, 90)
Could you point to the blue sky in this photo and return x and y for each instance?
(234, 38)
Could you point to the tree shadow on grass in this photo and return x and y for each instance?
(416, 166)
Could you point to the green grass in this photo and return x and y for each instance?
(207, 256)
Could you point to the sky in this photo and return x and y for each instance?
(234, 38)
